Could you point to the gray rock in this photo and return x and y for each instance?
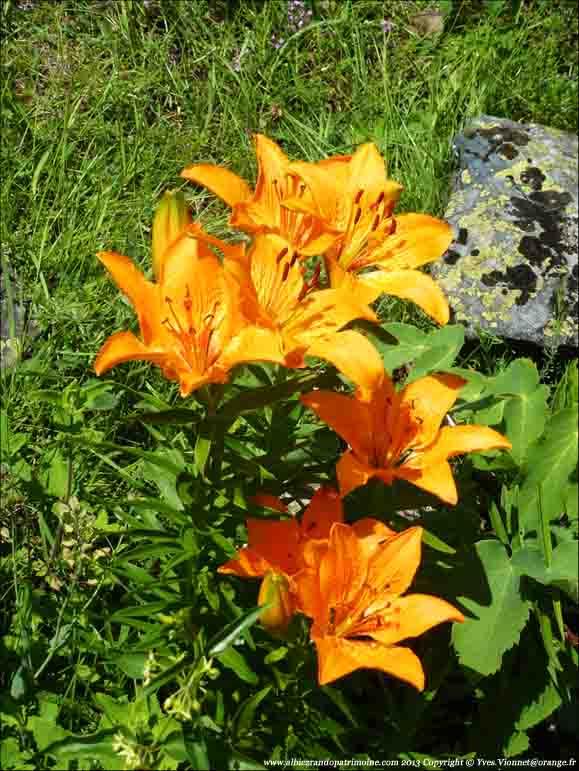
(17, 327)
(512, 269)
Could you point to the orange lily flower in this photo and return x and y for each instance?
(262, 210)
(351, 587)
(275, 545)
(355, 197)
(398, 435)
(189, 315)
(286, 321)
(275, 548)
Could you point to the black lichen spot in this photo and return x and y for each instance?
(492, 278)
(575, 271)
(526, 225)
(499, 134)
(452, 257)
(507, 150)
(523, 278)
(518, 277)
(551, 200)
(534, 250)
(462, 236)
(534, 177)
(532, 215)
(475, 252)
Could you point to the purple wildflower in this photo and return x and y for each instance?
(387, 26)
(298, 16)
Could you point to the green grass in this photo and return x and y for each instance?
(103, 103)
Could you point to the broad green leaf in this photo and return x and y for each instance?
(11, 757)
(234, 660)
(506, 711)
(524, 415)
(132, 664)
(562, 573)
(116, 711)
(426, 352)
(98, 745)
(572, 501)
(498, 611)
(520, 377)
(443, 347)
(550, 462)
(517, 744)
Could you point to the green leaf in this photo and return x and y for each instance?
(201, 453)
(57, 479)
(243, 718)
(234, 660)
(132, 664)
(428, 353)
(498, 612)
(524, 415)
(572, 501)
(551, 461)
(98, 745)
(163, 478)
(443, 347)
(563, 572)
(38, 170)
(116, 712)
(234, 630)
(254, 398)
(520, 377)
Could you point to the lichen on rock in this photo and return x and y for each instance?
(512, 268)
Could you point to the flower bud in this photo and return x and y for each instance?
(170, 220)
(275, 592)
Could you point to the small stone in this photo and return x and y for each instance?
(428, 23)
(512, 269)
(17, 325)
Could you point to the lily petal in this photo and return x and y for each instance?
(338, 657)
(254, 344)
(122, 347)
(410, 285)
(419, 239)
(430, 398)
(413, 615)
(354, 356)
(435, 478)
(224, 183)
(323, 511)
(342, 571)
(348, 417)
(247, 564)
(277, 541)
(458, 440)
(353, 473)
(394, 565)
(141, 293)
